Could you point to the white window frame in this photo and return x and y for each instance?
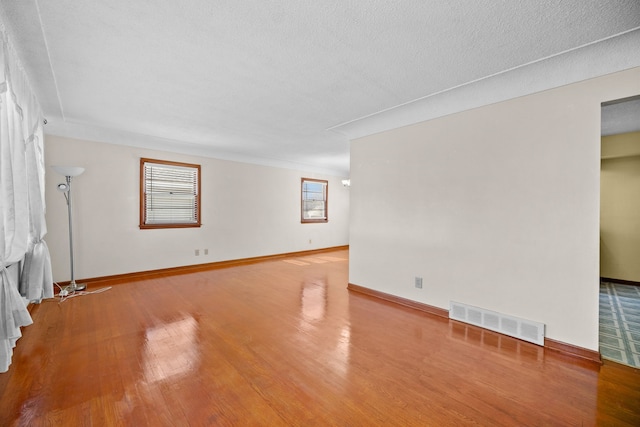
(314, 201)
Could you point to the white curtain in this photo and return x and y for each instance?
(36, 281)
(25, 266)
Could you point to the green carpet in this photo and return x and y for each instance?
(620, 323)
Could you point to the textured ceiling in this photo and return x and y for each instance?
(621, 117)
(283, 82)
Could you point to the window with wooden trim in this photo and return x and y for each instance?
(315, 200)
(169, 194)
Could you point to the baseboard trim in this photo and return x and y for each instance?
(559, 346)
(140, 275)
(573, 350)
(619, 281)
(399, 300)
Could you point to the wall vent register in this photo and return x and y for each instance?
(523, 329)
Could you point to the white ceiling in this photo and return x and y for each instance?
(286, 82)
(621, 116)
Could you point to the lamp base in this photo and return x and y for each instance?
(73, 286)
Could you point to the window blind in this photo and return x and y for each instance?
(171, 194)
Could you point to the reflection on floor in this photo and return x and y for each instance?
(620, 323)
(314, 260)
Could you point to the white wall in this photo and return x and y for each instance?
(247, 211)
(496, 207)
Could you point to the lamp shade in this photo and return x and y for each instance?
(68, 170)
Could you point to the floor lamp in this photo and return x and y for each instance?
(69, 172)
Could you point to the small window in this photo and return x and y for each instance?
(169, 194)
(314, 200)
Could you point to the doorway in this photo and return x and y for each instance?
(619, 332)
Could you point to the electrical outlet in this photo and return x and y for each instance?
(206, 251)
(418, 282)
(309, 241)
(197, 252)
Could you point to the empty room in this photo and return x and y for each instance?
(319, 213)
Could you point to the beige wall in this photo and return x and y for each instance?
(620, 207)
(496, 207)
(623, 145)
(247, 211)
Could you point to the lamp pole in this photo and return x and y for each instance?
(73, 286)
(69, 172)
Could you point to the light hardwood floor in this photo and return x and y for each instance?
(283, 342)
